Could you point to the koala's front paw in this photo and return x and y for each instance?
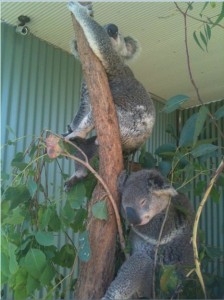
(69, 184)
(84, 6)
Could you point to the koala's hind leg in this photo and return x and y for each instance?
(90, 148)
(85, 126)
(131, 276)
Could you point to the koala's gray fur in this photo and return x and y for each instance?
(144, 196)
(134, 106)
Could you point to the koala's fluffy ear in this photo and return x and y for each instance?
(133, 48)
(158, 185)
(121, 180)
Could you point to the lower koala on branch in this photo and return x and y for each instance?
(144, 197)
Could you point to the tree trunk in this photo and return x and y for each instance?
(97, 273)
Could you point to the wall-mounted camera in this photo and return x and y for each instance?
(22, 28)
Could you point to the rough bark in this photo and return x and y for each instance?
(97, 273)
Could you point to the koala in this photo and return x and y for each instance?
(134, 106)
(145, 195)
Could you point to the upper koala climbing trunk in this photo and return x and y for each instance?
(96, 274)
(134, 106)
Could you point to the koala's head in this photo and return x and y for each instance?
(126, 47)
(144, 195)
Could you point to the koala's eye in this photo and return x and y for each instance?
(143, 202)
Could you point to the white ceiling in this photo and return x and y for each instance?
(158, 26)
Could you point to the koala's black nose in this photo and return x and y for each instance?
(132, 216)
(112, 31)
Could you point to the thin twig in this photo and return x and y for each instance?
(195, 227)
(209, 22)
(157, 248)
(99, 178)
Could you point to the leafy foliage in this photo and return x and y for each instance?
(32, 220)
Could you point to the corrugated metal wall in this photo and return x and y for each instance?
(212, 219)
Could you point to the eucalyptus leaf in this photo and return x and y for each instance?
(166, 150)
(99, 210)
(77, 195)
(84, 251)
(187, 132)
(47, 274)
(174, 102)
(44, 238)
(32, 284)
(203, 149)
(165, 167)
(220, 17)
(219, 113)
(13, 264)
(196, 40)
(79, 220)
(35, 262)
(32, 186)
(201, 118)
(17, 195)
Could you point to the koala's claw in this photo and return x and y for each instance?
(86, 6)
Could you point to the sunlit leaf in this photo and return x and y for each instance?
(174, 102)
(169, 279)
(99, 210)
(203, 149)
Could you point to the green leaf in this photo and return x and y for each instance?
(204, 7)
(165, 167)
(55, 222)
(16, 216)
(186, 135)
(219, 113)
(169, 279)
(147, 160)
(174, 102)
(32, 186)
(201, 118)
(32, 284)
(166, 151)
(200, 188)
(18, 161)
(5, 264)
(13, 265)
(44, 238)
(47, 275)
(77, 195)
(84, 251)
(212, 4)
(203, 149)
(35, 262)
(215, 195)
(67, 213)
(79, 220)
(17, 195)
(197, 41)
(44, 216)
(99, 210)
(66, 256)
(203, 38)
(220, 17)
(208, 30)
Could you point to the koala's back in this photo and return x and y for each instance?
(135, 110)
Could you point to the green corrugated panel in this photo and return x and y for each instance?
(213, 214)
